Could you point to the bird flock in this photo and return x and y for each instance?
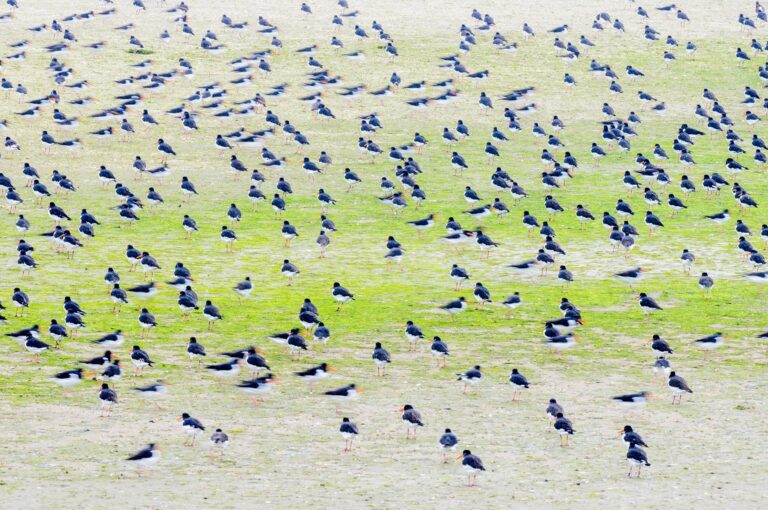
(249, 100)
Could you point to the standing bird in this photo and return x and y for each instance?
(629, 436)
(192, 427)
(471, 377)
(381, 358)
(518, 382)
(195, 351)
(211, 314)
(647, 304)
(553, 409)
(412, 420)
(472, 466)
(563, 427)
(636, 458)
(678, 386)
(108, 398)
(219, 440)
(349, 432)
(341, 295)
(448, 442)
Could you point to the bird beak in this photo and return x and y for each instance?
(621, 431)
(89, 374)
(179, 418)
(400, 410)
(642, 270)
(580, 321)
(359, 389)
(275, 379)
(652, 397)
(259, 351)
(116, 356)
(459, 456)
(331, 369)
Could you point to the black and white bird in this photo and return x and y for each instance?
(564, 428)
(448, 442)
(341, 295)
(411, 419)
(192, 428)
(146, 457)
(471, 377)
(381, 358)
(349, 432)
(678, 387)
(518, 383)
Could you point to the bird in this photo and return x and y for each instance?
(629, 436)
(211, 314)
(69, 378)
(349, 432)
(219, 440)
(258, 387)
(471, 377)
(343, 394)
(448, 442)
(411, 419)
(192, 428)
(678, 387)
(381, 358)
(564, 428)
(647, 304)
(317, 373)
(195, 351)
(341, 295)
(455, 306)
(710, 342)
(553, 409)
(518, 383)
(632, 400)
(145, 457)
(472, 465)
(140, 360)
(107, 399)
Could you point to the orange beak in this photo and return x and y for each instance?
(460, 456)
(331, 369)
(359, 389)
